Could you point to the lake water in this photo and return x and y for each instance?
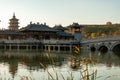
(26, 65)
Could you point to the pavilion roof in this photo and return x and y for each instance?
(60, 27)
(75, 25)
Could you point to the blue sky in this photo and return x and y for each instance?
(63, 12)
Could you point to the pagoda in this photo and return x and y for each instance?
(13, 24)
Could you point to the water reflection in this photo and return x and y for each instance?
(17, 63)
(30, 60)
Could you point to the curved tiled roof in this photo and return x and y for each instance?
(38, 27)
(64, 34)
(59, 27)
(11, 32)
(75, 25)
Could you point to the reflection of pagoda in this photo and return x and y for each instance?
(13, 67)
(14, 23)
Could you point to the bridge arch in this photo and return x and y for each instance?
(92, 48)
(116, 48)
(115, 44)
(103, 48)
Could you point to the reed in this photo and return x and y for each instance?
(85, 66)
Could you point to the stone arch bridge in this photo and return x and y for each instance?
(111, 43)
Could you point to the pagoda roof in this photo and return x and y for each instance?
(38, 27)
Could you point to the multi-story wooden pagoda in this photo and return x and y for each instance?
(13, 24)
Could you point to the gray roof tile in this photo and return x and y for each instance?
(38, 27)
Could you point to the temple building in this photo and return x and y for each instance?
(75, 29)
(44, 32)
(39, 31)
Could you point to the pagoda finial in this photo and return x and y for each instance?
(14, 15)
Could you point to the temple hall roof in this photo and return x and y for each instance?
(38, 27)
